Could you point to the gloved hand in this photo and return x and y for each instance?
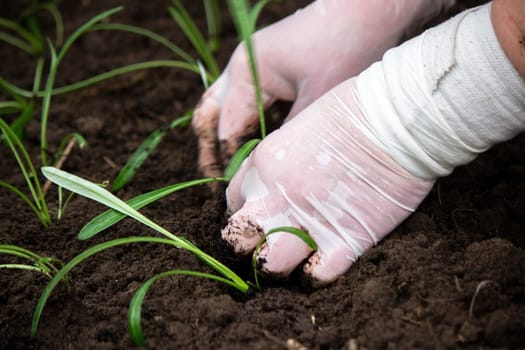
(356, 162)
(321, 173)
(299, 58)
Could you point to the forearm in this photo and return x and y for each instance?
(438, 100)
(508, 20)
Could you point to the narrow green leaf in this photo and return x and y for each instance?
(93, 191)
(135, 306)
(84, 28)
(143, 152)
(213, 20)
(16, 42)
(188, 26)
(256, 11)
(245, 27)
(111, 217)
(28, 171)
(147, 33)
(120, 71)
(64, 271)
(297, 232)
(46, 102)
(139, 156)
(239, 157)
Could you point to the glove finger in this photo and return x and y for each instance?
(282, 253)
(324, 267)
(243, 230)
(300, 103)
(205, 122)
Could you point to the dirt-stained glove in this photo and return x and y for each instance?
(355, 163)
(321, 173)
(299, 58)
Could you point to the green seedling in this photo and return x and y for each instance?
(208, 72)
(135, 306)
(45, 265)
(213, 22)
(111, 216)
(24, 101)
(194, 35)
(245, 19)
(93, 191)
(119, 210)
(37, 201)
(239, 157)
(144, 150)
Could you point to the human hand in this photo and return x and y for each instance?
(356, 162)
(299, 58)
(322, 173)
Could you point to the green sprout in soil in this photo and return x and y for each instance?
(45, 265)
(144, 150)
(24, 101)
(95, 192)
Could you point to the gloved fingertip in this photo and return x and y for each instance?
(322, 269)
(279, 256)
(242, 232)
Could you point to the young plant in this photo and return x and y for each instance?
(37, 200)
(144, 150)
(245, 18)
(209, 72)
(24, 101)
(194, 35)
(93, 191)
(45, 265)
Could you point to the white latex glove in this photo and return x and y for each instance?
(355, 163)
(319, 172)
(299, 58)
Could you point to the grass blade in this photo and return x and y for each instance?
(297, 232)
(213, 22)
(188, 26)
(135, 306)
(43, 265)
(143, 152)
(239, 157)
(16, 42)
(28, 171)
(93, 191)
(84, 28)
(123, 70)
(64, 271)
(245, 27)
(147, 33)
(111, 217)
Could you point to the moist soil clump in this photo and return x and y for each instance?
(451, 276)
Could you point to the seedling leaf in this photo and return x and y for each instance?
(239, 157)
(135, 306)
(111, 217)
(93, 191)
(142, 153)
(62, 273)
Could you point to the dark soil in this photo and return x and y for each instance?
(451, 276)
